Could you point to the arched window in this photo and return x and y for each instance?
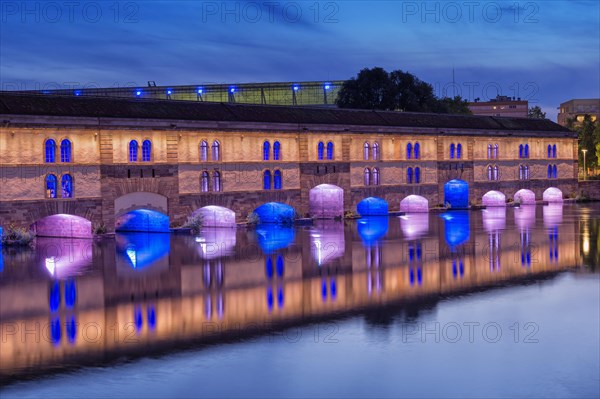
(216, 151)
(554, 151)
(375, 151)
(526, 152)
(520, 150)
(495, 151)
(490, 172)
(203, 151)
(521, 172)
(50, 151)
(367, 176)
(375, 176)
(366, 150)
(489, 151)
(204, 182)
(409, 175)
(526, 172)
(452, 151)
(146, 151)
(458, 151)
(417, 175)
(549, 171)
(266, 150)
(408, 151)
(495, 172)
(330, 150)
(67, 186)
(133, 151)
(320, 150)
(277, 180)
(276, 150)
(267, 180)
(417, 150)
(50, 186)
(554, 172)
(216, 181)
(65, 151)
(549, 151)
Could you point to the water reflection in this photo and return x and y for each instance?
(222, 279)
(63, 257)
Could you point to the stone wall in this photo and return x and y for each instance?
(590, 188)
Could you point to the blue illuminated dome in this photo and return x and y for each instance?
(372, 206)
(275, 212)
(456, 193)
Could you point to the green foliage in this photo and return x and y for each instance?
(194, 223)
(252, 219)
(536, 113)
(14, 236)
(589, 139)
(375, 88)
(99, 228)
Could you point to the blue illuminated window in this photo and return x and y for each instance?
(267, 180)
(266, 150)
(277, 180)
(133, 151)
(216, 181)
(65, 151)
(549, 151)
(452, 151)
(375, 175)
(554, 151)
(526, 152)
(204, 182)
(320, 150)
(203, 150)
(51, 186)
(489, 148)
(417, 150)
(458, 151)
(521, 151)
(408, 151)
(276, 150)
(367, 176)
(495, 151)
(375, 151)
(549, 171)
(554, 172)
(50, 151)
(417, 175)
(366, 150)
(216, 150)
(67, 186)
(330, 150)
(146, 151)
(409, 175)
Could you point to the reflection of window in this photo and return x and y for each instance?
(65, 151)
(276, 150)
(366, 150)
(320, 149)
(50, 151)
(367, 176)
(50, 186)
(67, 186)
(267, 180)
(216, 181)
(204, 182)
(376, 176)
(133, 151)
(277, 180)
(146, 151)
(203, 151)
(216, 149)
(330, 150)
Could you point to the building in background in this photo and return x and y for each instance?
(500, 106)
(577, 109)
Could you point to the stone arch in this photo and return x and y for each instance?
(494, 198)
(553, 194)
(372, 206)
(525, 197)
(63, 225)
(326, 201)
(141, 200)
(215, 216)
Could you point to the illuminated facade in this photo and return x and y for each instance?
(577, 109)
(122, 162)
(501, 106)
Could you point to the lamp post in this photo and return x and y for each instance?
(584, 169)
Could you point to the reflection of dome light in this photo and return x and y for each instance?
(553, 215)
(415, 225)
(51, 265)
(494, 219)
(130, 251)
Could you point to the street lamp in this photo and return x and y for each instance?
(584, 169)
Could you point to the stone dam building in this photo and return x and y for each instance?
(71, 162)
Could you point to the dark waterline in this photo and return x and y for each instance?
(478, 304)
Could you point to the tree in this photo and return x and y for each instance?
(395, 91)
(589, 136)
(536, 112)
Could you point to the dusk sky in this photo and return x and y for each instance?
(546, 52)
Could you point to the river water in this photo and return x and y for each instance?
(491, 303)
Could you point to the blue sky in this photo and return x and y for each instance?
(544, 51)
